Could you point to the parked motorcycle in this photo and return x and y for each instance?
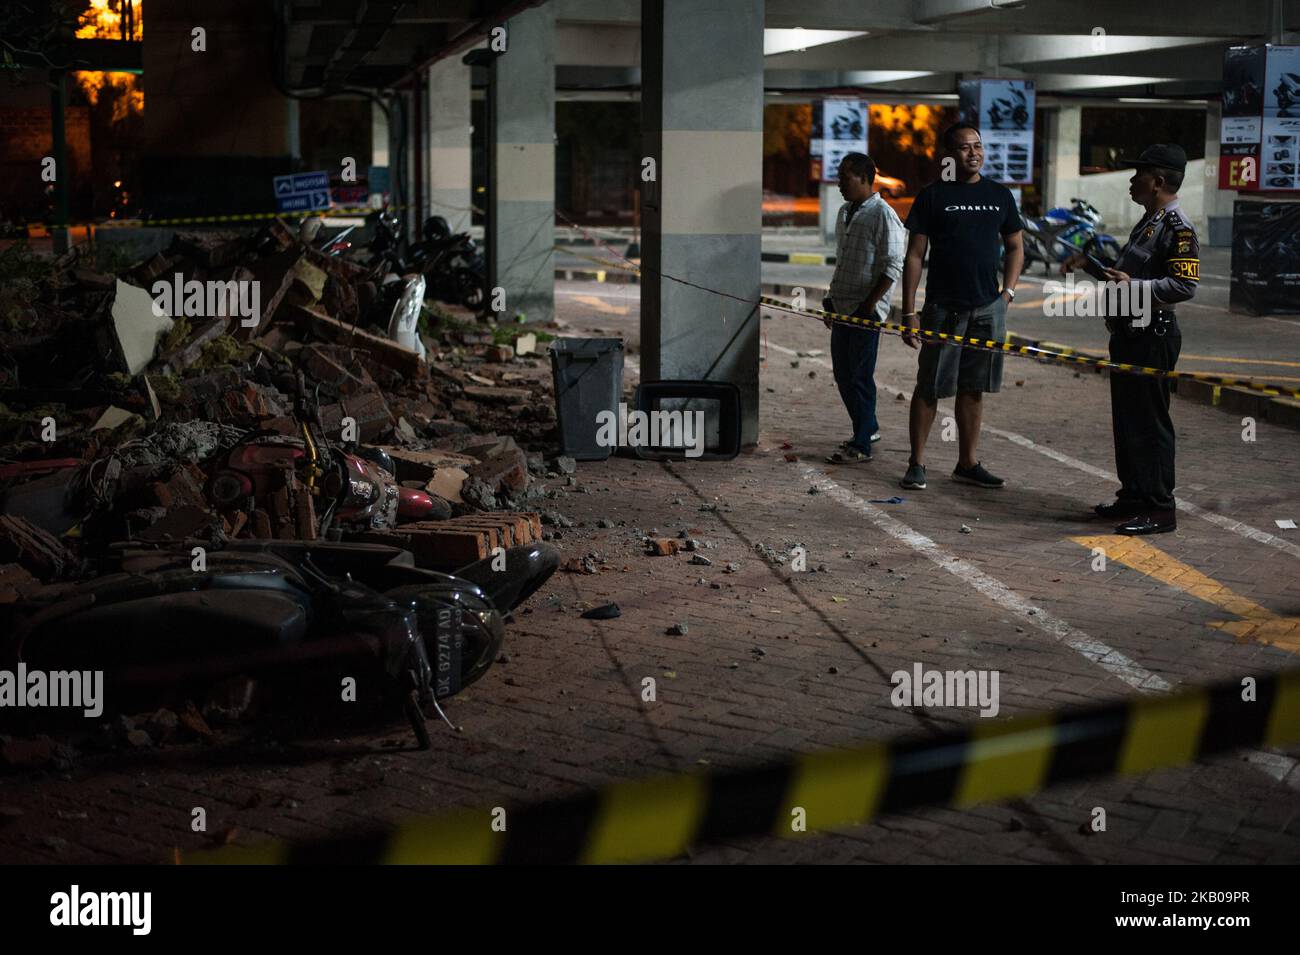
(1053, 238)
(452, 267)
(452, 264)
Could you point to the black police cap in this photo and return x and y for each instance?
(1165, 155)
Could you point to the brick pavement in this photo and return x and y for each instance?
(566, 711)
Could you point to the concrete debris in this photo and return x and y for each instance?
(273, 395)
(678, 630)
(661, 546)
(137, 325)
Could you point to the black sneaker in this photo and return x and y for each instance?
(914, 479)
(976, 475)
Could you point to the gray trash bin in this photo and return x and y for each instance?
(588, 380)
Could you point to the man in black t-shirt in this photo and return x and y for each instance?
(962, 218)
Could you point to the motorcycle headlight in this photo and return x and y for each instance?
(361, 492)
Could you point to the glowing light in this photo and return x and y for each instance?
(103, 21)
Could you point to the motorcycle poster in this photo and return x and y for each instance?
(1280, 159)
(1265, 257)
(1243, 96)
(1004, 112)
(842, 128)
(1260, 132)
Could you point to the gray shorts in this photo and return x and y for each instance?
(945, 369)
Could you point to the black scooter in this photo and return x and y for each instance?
(152, 622)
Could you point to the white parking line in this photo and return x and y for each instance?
(1104, 656)
(1277, 766)
(1227, 523)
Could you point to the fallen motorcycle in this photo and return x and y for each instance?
(277, 608)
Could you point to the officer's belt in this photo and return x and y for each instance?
(1161, 318)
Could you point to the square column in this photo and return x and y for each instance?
(448, 124)
(521, 167)
(702, 123)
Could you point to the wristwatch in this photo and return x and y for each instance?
(1011, 292)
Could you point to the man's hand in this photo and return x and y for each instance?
(828, 306)
(1076, 261)
(911, 322)
(1115, 275)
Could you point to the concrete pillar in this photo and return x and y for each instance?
(1061, 157)
(449, 142)
(378, 135)
(1217, 203)
(702, 122)
(831, 200)
(521, 167)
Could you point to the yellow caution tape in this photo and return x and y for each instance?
(663, 817)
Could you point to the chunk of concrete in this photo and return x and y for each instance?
(137, 323)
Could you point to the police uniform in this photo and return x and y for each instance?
(1164, 253)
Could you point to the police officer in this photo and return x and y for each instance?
(1159, 267)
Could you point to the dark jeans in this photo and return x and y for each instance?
(853, 356)
(1139, 407)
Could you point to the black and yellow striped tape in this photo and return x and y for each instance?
(1064, 356)
(660, 818)
(234, 217)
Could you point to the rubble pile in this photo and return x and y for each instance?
(253, 400)
(194, 394)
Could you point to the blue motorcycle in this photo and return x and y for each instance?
(1053, 238)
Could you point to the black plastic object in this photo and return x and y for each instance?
(588, 380)
(725, 393)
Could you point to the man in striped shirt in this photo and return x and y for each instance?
(869, 247)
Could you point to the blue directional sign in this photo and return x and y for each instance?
(302, 192)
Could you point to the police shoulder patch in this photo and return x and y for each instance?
(1185, 269)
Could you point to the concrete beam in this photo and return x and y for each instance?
(900, 51)
(938, 11)
(1084, 47)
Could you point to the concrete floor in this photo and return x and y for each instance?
(566, 711)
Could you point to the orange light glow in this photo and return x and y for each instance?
(103, 21)
(913, 128)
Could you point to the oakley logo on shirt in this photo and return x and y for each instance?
(972, 209)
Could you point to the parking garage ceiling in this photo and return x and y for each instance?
(1102, 47)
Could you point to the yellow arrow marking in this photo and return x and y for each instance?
(1257, 623)
(601, 306)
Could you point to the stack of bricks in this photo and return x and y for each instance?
(447, 545)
